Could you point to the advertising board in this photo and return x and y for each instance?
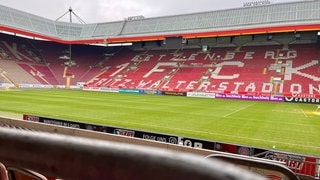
(200, 95)
(302, 100)
(174, 93)
(297, 163)
(250, 97)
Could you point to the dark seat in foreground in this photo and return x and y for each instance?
(69, 157)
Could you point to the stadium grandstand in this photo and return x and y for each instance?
(267, 52)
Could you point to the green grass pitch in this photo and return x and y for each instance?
(287, 126)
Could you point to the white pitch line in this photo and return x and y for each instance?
(232, 136)
(239, 110)
(225, 135)
(304, 113)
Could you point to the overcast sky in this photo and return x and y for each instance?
(94, 11)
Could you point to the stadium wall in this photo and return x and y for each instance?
(300, 164)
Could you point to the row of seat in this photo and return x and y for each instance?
(266, 69)
(246, 70)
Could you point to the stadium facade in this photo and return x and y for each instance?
(292, 17)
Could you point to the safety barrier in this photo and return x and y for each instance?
(69, 157)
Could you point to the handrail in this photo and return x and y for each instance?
(271, 168)
(15, 173)
(78, 158)
(3, 172)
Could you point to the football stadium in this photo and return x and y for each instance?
(173, 97)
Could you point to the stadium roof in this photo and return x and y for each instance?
(286, 17)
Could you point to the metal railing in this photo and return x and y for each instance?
(267, 168)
